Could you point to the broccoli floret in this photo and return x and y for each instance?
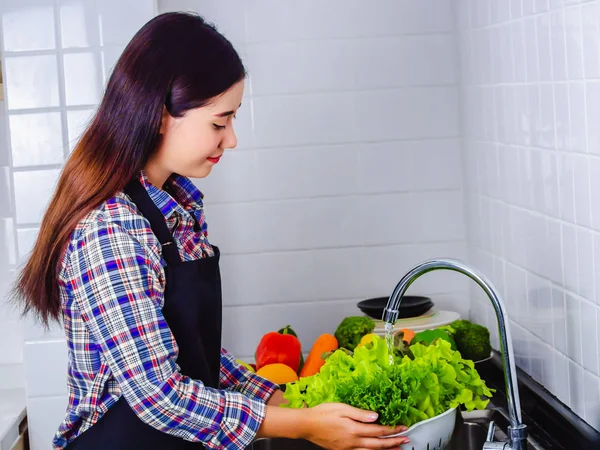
(460, 325)
(352, 329)
(472, 340)
(428, 337)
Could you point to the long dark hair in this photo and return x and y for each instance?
(177, 61)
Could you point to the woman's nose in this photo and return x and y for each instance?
(230, 139)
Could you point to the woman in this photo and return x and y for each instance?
(124, 261)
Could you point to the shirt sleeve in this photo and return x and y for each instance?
(236, 377)
(118, 292)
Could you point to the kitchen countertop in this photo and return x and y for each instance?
(12, 412)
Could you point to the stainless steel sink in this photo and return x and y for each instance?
(470, 434)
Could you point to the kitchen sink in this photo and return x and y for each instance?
(470, 434)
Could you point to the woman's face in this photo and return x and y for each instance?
(191, 145)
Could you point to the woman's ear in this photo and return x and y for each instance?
(165, 122)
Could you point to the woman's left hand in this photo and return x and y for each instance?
(277, 398)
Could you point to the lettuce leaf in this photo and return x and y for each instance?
(432, 380)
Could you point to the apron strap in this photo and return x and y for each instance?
(150, 211)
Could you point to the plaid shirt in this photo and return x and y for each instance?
(112, 287)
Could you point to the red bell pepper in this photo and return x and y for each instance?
(279, 348)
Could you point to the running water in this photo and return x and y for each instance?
(389, 339)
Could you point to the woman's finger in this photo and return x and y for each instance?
(367, 430)
(359, 415)
(379, 443)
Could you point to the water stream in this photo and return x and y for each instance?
(389, 339)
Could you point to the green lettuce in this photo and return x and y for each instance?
(423, 384)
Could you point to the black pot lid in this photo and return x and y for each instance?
(411, 306)
(407, 302)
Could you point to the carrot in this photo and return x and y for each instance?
(324, 343)
(408, 334)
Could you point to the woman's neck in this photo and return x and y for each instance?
(156, 175)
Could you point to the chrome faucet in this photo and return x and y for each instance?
(517, 431)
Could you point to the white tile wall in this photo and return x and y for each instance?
(531, 172)
(11, 329)
(31, 81)
(43, 147)
(349, 167)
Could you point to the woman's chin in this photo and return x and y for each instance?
(200, 172)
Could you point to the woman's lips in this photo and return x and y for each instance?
(214, 160)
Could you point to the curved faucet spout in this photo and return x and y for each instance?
(517, 430)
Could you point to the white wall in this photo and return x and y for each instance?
(11, 328)
(348, 170)
(531, 90)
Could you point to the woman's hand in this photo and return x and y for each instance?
(336, 426)
(277, 398)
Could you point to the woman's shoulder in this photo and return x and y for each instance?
(110, 232)
(118, 215)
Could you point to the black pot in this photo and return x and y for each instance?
(411, 306)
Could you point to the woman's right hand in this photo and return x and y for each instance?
(336, 426)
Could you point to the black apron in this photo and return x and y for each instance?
(192, 309)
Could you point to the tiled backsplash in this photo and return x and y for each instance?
(11, 328)
(348, 170)
(530, 97)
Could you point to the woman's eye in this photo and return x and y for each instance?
(220, 127)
